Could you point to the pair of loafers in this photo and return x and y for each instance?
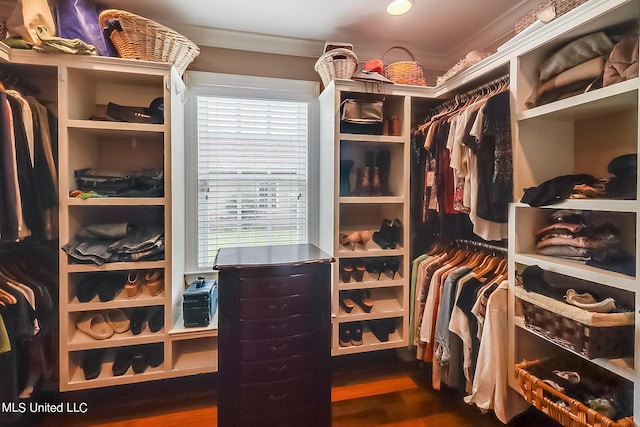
(138, 358)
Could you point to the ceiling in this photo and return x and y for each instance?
(438, 32)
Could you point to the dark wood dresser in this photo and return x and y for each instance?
(274, 335)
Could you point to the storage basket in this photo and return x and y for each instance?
(337, 63)
(136, 37)
(404, 72)
(571, 413)
(560, 7)
(590, 334)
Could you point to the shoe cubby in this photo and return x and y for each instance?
(370, 271)
(92, 90)
(195, 355)
(370, 169)
(115, 152)
(93, 328)
(107, 289)
(378, 301)
(116, 365)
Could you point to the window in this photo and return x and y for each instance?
(252, 139)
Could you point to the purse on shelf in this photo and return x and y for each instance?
(360, 111)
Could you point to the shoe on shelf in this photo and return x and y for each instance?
(345, 273)
(134, 283)
(350, 240)
(358, 270)
(356, 333)
(345, 334)
(395, 234)
(95, 325)
(138, 319)
(154, 282)
(118, 320)
(91, 363)
(383, 236)
(346, 302)
(156, 320)
(139, 360)
(122, 362)
(382, 328)
(362, 297)
(88, 287)
(155, 354)
(109, 284)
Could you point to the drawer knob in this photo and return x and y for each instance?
(281, 327)
(278, 347)
(280, 369)
(278, 308)
(277, 286)
(277, 398)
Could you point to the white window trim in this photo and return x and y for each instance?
(204, 83)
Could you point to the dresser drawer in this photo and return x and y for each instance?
(272, 308)
(275, 349)
(277, 395)
(276, 370)
(300, 416)
(275, 286)
(276, 328)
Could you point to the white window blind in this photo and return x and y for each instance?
(252, 173)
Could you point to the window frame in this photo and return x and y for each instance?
(201, 83)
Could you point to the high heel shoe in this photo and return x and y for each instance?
(134, 283)
(345, 273)
(352, 239)
(358, 270)
(395, 233)
(392, 265)
(346, 302)
(383, 236)
(362, 298)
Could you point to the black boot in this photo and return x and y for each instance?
(345, 172)
(383, 162)
(383, 236)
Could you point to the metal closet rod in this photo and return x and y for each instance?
(473, 244)
(478, 91)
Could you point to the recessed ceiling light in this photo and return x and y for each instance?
(399, 7)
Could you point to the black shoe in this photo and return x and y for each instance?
(155, 355)
(381, 328)
(88, 287)
(124, 358)
(356, 333)
(138, 319)
(345, 334)
(139, 360)
(156, 321)
(395, 233)
(362, 298)
(383, 236)
(92, 363)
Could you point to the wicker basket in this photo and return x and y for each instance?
(136, 37)
(545, 398)
(404, 72)
(559, 7)
(337, 63)
(591, 340)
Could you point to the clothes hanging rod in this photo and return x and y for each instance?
(473, 244)
(463, 97)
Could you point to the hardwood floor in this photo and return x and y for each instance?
(376, 389)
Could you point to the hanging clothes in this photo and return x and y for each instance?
(469, 139)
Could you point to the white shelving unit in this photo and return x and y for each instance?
(581, 134)
(340, 214)
(77, 89)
